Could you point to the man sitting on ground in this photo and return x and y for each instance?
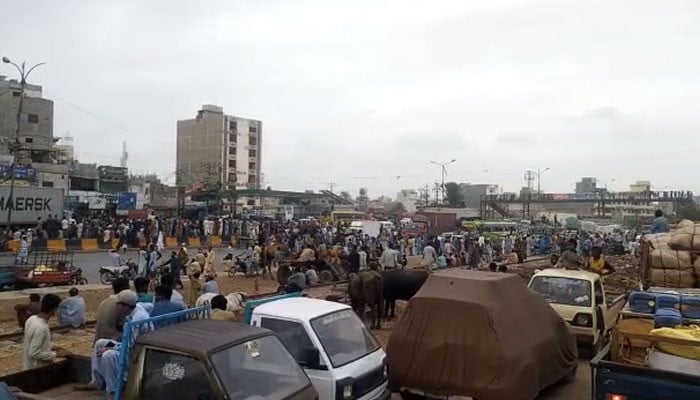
(37, 349)
(598, 264)
(163, 304)
(71, 311)
(24, 311)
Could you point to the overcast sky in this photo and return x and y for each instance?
(361, 92)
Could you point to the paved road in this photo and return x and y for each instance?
(91, 262)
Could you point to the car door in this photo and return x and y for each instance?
(295, 338)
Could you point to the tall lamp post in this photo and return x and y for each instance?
(13, 146)
(539, 175)
(443, 169)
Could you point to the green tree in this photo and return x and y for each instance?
(396, 208)
(453, 194)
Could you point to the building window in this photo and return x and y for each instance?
(232, 126)
(232, 178)
(28, 140)
(232, 151)
(232, 164)
(15, 94)
(253, 129)
(232, 138)
(47, 184)
(253, 140)
(32, 118)
(251, 168)
(252, 153)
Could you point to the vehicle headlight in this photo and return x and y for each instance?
(583, 319)
(347, 391)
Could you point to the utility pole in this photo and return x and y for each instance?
(13, 147)
(443, 170)
(437, 193)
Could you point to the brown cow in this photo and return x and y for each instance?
(365, 289)
(268, 254)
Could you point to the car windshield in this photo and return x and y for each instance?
(344, 337)
(559, 290)
(259, 369)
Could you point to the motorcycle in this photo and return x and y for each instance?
(109, 274)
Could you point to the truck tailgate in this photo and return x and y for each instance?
(639, 383)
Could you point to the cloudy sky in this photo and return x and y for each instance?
(367, 93)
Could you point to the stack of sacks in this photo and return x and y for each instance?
(687, 238)
(669, 267)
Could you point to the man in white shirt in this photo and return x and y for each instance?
(36, 348)
(388, 258)
(429, 257)
(363, 259)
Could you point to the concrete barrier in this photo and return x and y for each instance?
(56, 245)
(89, 244)
(171, 242)
(214, 241)
(194, 242)
(115, 243)
(13, 245)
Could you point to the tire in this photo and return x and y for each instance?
(82, 281)
(106, 278)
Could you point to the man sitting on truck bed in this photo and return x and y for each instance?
(598, 264)
(105, 359)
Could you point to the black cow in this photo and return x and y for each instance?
(401, 285)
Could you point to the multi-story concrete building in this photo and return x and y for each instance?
(587, 185)
(409, 198)
(640, 187)
(219, 149)
(473, 192)
(36, 141)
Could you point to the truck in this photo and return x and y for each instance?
(182, 355)
(370, 228)
(615, 376)
(29, 203)
(338, 353)
(438, 222)
(579, 297)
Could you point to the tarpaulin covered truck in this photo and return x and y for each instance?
(30, 203)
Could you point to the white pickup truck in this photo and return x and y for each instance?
(579, 298)
(338, 353)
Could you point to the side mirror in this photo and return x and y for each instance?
(310, 358)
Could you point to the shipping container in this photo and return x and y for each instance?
(30, 203)
(439, 223)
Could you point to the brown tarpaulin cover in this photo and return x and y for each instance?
(479, 334)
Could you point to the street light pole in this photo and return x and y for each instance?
(14, 146)
(443, 169)
(539, 173)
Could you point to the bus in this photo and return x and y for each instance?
(347, 216)
(499, 227)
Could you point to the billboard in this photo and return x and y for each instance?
(29, 203)
(21, 172)
(126, 201)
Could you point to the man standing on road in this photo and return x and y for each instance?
(429, 257)
(175, 269)
(36, 348)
